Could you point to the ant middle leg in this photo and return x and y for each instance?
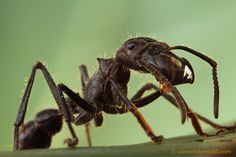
(75, 97)
(84, 76)
(85, 115)
(141, 101)
(134, 110)
(57, 96)
(142, 90)
(84, 81)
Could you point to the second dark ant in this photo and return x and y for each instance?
(106, 91)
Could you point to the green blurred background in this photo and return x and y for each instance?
(66, 33)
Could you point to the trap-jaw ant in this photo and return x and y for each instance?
(106, 91)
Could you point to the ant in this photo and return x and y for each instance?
(106, 91)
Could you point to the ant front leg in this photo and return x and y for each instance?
(57, 96)
(195, 117)
(134, 110)
(84, 76)
(192, 115)
(167, 87)
(142, 90)
(140, 102)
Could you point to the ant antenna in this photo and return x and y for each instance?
(214, 73)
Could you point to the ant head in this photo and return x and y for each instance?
(177, 70)
(105, 65)
(128, 50)
(51, 119)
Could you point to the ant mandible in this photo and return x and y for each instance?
(106, 91)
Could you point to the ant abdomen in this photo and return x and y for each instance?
(38, 133)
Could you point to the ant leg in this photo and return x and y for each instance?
(24, 102)
(84, 76)
(167, 87)
(82, 104)
(74, 141)
(77, 99)
(142, 90)
(140, 102)
(214, 73)
(132, 108)
(220, 128)
(84, 81)
(88, 135)
(195, 117)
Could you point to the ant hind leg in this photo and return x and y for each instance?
(56, 92)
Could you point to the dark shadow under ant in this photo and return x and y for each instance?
(106, 91)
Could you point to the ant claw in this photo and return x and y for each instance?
(71, 142)
(226, 129)
(157, 139)
(220, 131)
(205, 135)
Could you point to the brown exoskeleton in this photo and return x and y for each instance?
(106, 91)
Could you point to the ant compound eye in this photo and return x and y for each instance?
(131, 46)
